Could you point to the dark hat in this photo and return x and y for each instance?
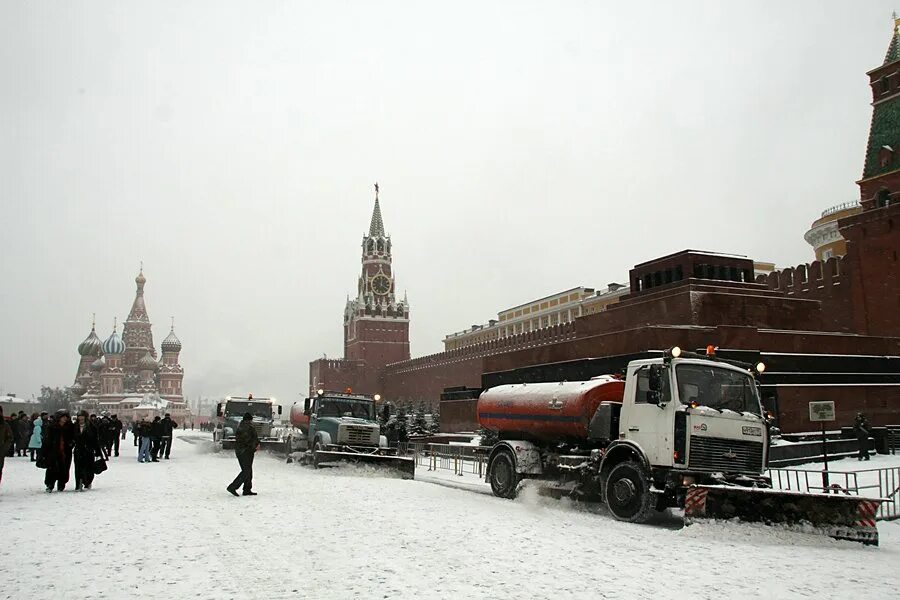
(168, 415)
(248, 416)
(83, 413)
(156, 418)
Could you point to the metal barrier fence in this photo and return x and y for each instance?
(873, 483)
(461, 460)
(893, 439)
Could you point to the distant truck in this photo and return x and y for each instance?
(231, 412)
(334, 427)
(686, 430)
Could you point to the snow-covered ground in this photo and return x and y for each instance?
(170, 530)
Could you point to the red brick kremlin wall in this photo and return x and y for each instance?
(846, 306)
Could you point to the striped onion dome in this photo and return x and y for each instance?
(98, 364)
(113, 344)
(90, 346)
(171, 343)
(148, 363)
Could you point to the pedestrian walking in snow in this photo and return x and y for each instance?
(168, 425)
(863, 431)
(142, 433)
(23, 434)
(246, 443)
(156, 433)
(34, 444)
(57, 451)
(116, 428)
(136, 436)
(6, 440)
(87, 448)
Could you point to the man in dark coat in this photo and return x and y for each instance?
(245, 445)
(116, 428)
(87, 448)
(57, 451)
(167, 426)
(156, 433)
(23, 433)
(6, 440)
(862, 430)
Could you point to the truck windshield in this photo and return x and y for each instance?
(722, 389)
(344, 407)
(257, 409)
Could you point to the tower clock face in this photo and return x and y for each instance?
(381, 285)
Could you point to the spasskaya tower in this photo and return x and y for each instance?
(376, 323)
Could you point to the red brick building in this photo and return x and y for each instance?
(828, 330)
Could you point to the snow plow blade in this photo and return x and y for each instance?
(842, 517)
(405, 466)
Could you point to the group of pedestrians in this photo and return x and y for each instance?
(56, 442)
(24, 440)
(153, 439)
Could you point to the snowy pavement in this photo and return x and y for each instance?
(170, 530)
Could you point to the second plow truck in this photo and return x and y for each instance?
(333, 427)
(683, 430)
(232, 411)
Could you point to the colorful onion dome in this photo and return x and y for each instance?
(147, 363)
(91, 345)
(113, 344)
(171, 343)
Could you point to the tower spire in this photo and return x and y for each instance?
(376, 227)
(893, 51)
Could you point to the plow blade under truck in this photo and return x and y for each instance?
(334, 428)
(680, 431)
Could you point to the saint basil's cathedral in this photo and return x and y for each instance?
(124, 375)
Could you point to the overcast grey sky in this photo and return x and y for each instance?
(522, 148)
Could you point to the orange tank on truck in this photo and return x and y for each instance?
(547, 411)
(299, 418)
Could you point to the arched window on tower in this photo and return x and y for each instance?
(883, 198)
(380, 246)
(371, 246)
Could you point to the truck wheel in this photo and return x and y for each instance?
(504, 479)
(315, 453)
(627, 493)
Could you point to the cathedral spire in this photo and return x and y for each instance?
(376, 227)
(138, 308)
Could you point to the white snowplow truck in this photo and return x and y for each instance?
(683, 430)
(231, 412)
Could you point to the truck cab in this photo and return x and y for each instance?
(231, 412)
(339, 420)
(694, 414)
